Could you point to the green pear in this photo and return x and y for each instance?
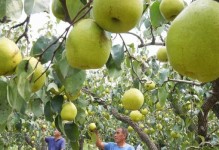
(132, 99)
(193, 41)
(92, 126)
(171, 8)
(87, 46)
(69, 111)
(10, 56)
(117, 15)
(135, 115)
(37, 75)
(162, 54)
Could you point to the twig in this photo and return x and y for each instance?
(130, 57)
(53, 56)
(186, 81)
(140, 39)
(4, 20)
(85, 6)
(151, 43)
(24, 34)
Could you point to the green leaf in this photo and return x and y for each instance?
(75, 145)
(61, 69)
(114, 62)
(36, 6)
(162, 95)
(23, 71)
(113, 70)
(84, 1)
(163, 75)
(44, 43)
(117, 53)
(2, 8)
(136, 65)
(5, 108)
(11, 8)
(2, 128)
(155, 15)
(57, 102)
(74, 6)
(81, 116)
(58, 123)
(37, 107)
(48, 112)
(74, 81)
(72, 131)
(13, 119)
(14, 99)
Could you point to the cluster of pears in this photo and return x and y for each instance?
(12, 62)
(88, 45)
(193, 43)
(133, 100)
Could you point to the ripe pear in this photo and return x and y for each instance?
(117, 15)
(37, 75)
(150, 85)
(193, 43)
(132, 99)
(162, 54)
(171, 8)
(92, 126)
(135, 115)
(87, 46)
(10, 56)
(130, 129)
(69, 111)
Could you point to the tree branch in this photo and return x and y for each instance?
(24, 34)
(144, 137)
(215, 109)
(206, 107)
(186, 81)
(130, 61)
(140, 39)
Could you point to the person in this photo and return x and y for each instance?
(119, 143)
(56, 142)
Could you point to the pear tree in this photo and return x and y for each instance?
(106, 49)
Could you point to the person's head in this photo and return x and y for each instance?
(57, 133)
(120, 135)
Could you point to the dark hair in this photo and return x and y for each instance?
(125, 132)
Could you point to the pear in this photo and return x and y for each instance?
(69, 111)
(162, 54)
(10, 56)
(87, 45)
(171, 8)
(132, 99)
(193, 41)
(117, 16)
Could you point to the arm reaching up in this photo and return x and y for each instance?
(99, 142)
